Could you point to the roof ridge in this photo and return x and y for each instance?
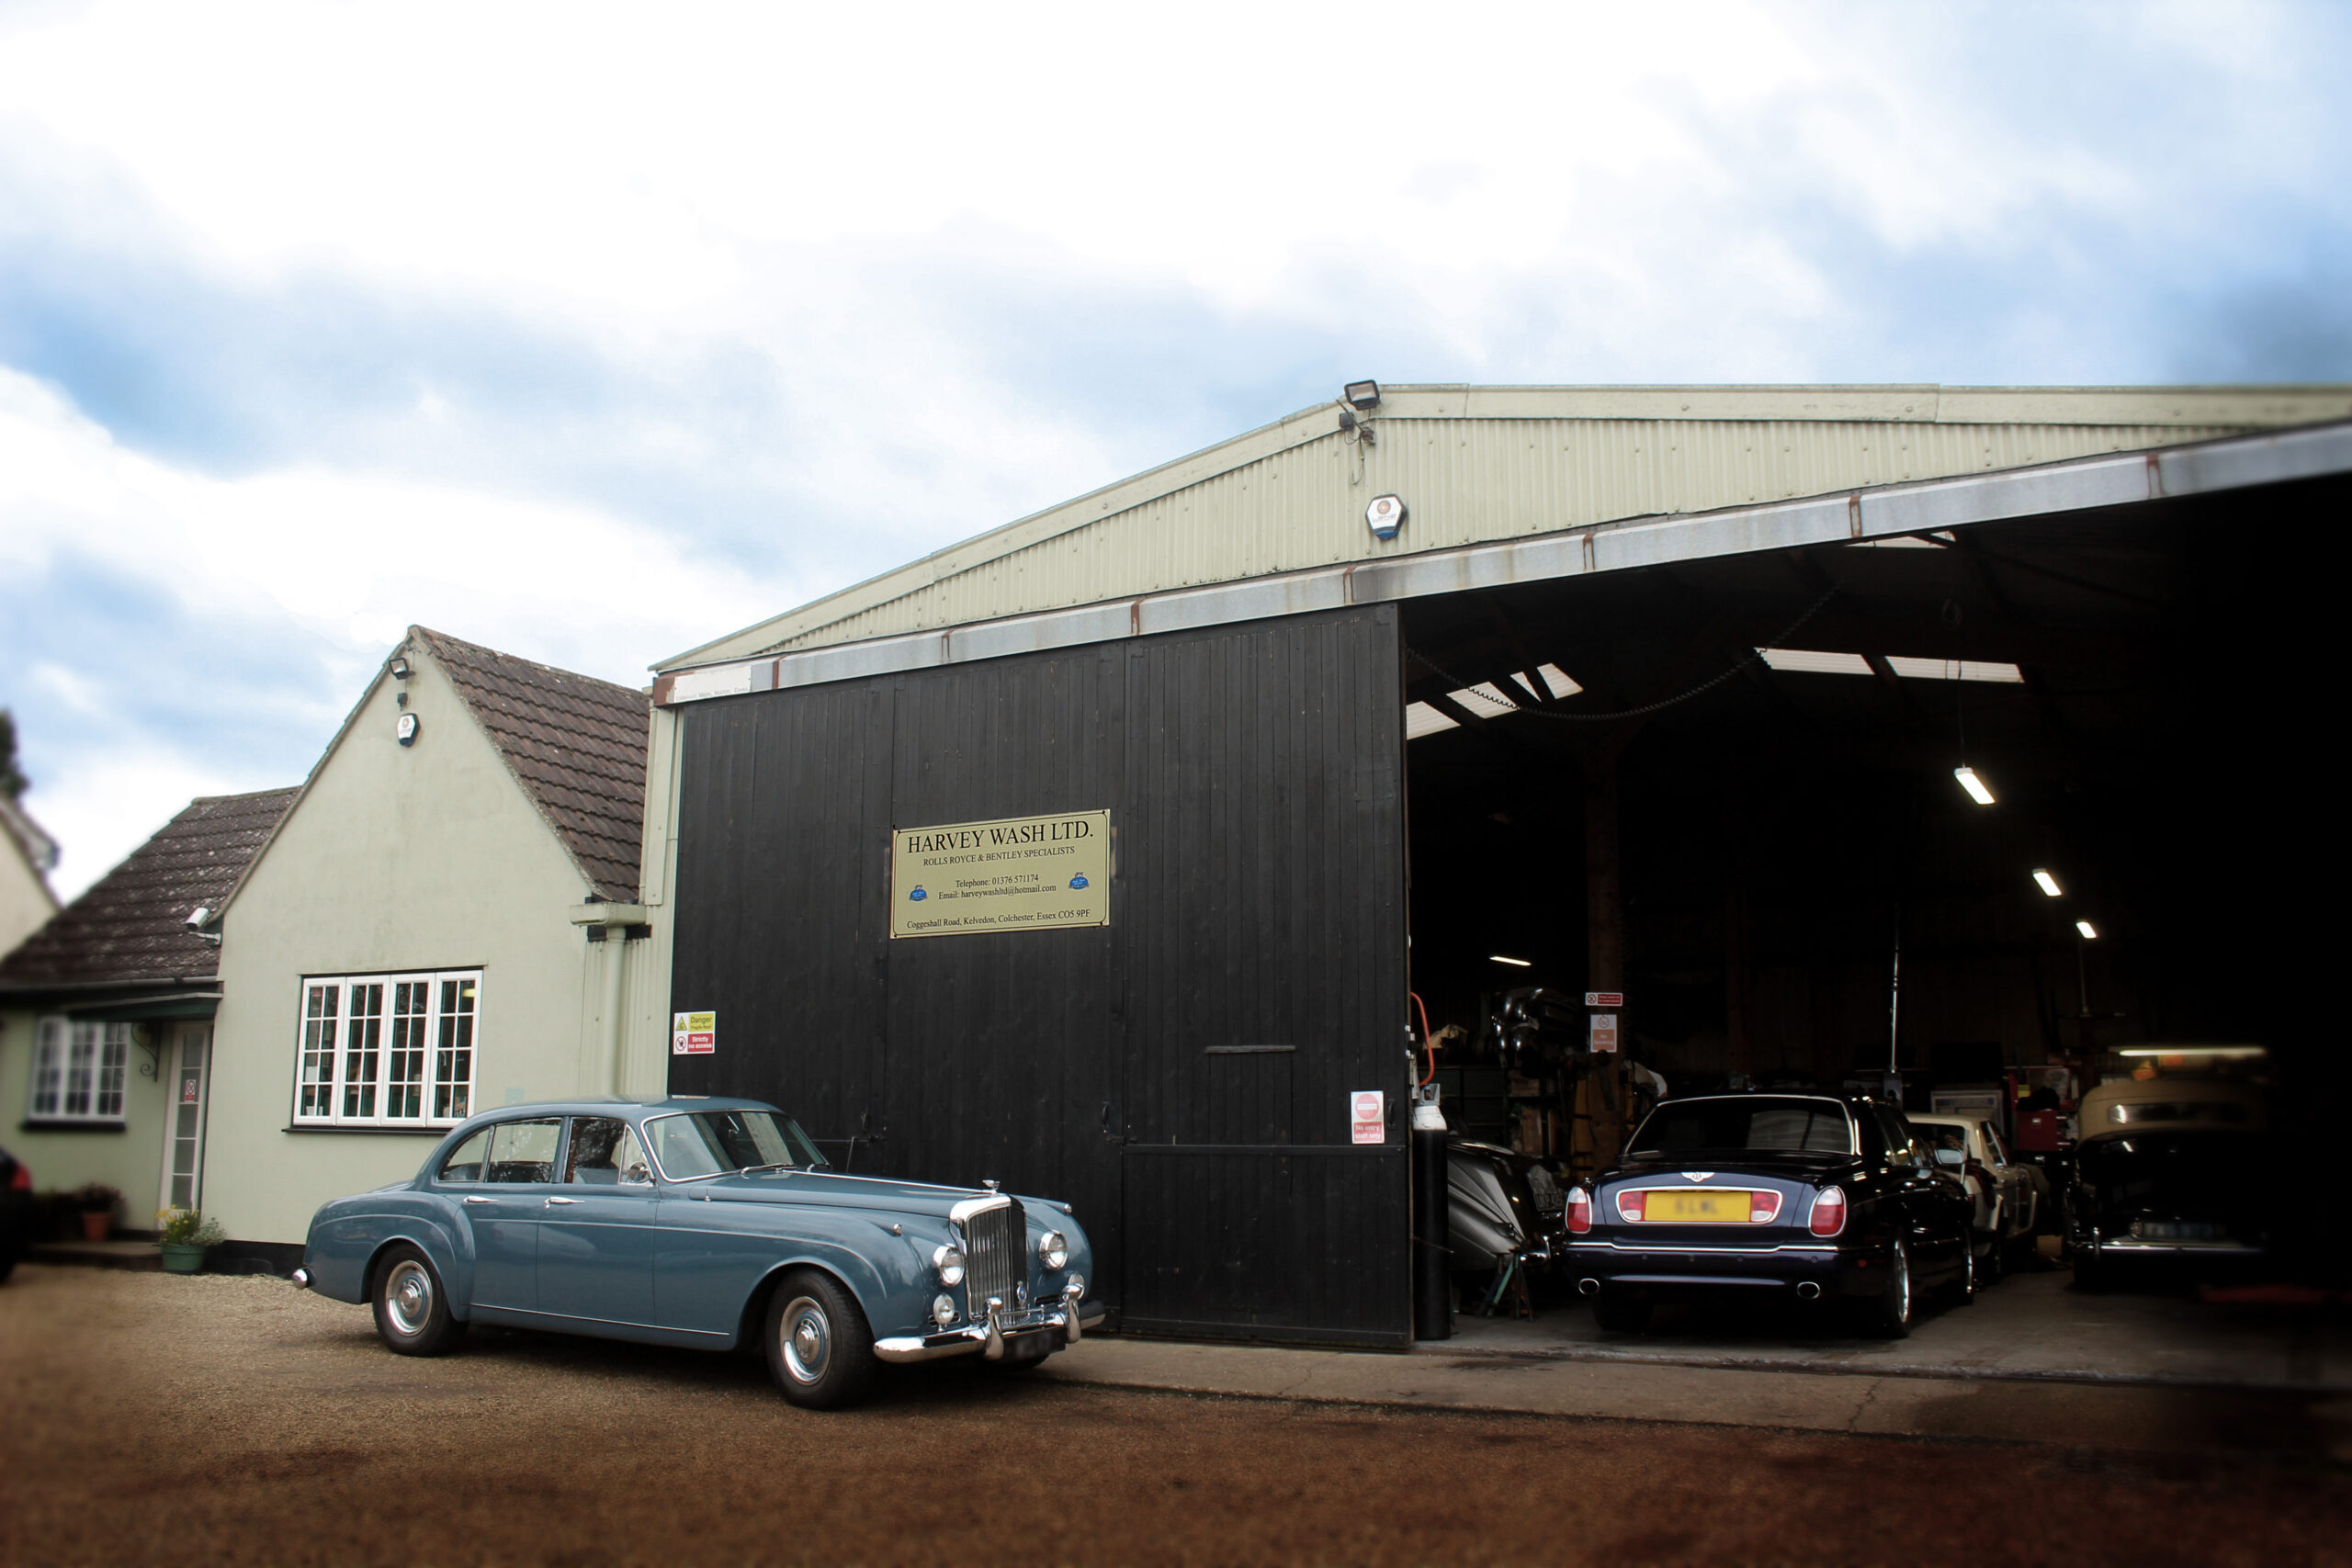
(446, 639)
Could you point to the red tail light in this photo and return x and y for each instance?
(1580, 1211)
(22, 1182)
(1632, 1207)
(1763, 1208)
(1828, 1211)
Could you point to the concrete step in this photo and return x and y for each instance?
(141, 1256)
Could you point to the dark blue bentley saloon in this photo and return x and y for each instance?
(711, 1223)
(1771, 1197)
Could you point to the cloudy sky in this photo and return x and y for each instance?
(593, 332)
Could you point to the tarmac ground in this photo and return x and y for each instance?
(206, 1419)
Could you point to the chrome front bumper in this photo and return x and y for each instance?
(1066, 1317)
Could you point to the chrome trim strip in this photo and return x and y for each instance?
(2229, 1248)
(1002, 1329)
(1654, 1250)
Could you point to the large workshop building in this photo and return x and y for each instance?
(1103, 854)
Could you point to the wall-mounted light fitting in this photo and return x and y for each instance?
(1514, 962)
(1362, 396)
(1978, 791)
(400, 667)
(2048, 884)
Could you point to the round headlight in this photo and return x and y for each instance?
(947, 1262)
(943, 1310)
(1053, 1249)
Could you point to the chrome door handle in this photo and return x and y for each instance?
(474, 1199)
(563, 1200)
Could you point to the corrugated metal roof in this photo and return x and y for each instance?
(1479, 465)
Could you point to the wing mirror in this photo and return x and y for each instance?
(1953, 1157)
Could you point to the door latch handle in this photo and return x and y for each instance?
(564, 1201)
(474, 1199)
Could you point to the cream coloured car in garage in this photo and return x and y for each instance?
(2007, 1199)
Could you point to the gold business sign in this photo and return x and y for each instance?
(1025, 873)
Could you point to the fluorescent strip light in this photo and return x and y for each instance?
(2211, 1053)
(1514, 962)
(1978, 791)
(1422, 719)
(1804, 661)
(1915, 668)
(2090, 931)
(1559, 679)
(2049, 884)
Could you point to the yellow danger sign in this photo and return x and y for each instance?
(1030, 874)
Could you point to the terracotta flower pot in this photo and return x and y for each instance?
(96, 1224)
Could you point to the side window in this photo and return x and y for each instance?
(1994, 1148)
(464, 1163)
(604, 1152)
(523, 1151)
(1897, 1133)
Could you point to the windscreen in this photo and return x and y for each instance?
(707, 1143)
(1757, 1121)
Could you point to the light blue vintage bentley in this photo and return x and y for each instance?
(702, 1223)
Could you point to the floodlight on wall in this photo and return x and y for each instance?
(1514, 962)
(1362, 396)
(1978, 791)
(2090, 931)
(400, 668)
(2048, 884)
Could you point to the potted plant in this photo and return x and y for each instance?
(184, 1236)
(97, 1202)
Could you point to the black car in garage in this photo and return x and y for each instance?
(2174, 1167)
(1768, 1196)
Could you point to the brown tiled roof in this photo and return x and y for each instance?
(128, 925)
(576, 744)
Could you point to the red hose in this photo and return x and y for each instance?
(1427, 1049)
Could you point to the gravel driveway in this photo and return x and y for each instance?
(152, 1418)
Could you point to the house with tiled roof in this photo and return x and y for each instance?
(441, 922)
(27, 857)
(107, 1011)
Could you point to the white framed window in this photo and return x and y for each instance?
(78, 1071)
(387, 1050)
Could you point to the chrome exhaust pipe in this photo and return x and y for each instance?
(1587, 1286)
(1807, 1290)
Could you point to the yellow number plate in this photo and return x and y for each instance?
(1696, 1208)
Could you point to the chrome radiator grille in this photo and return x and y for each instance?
(993, 1252)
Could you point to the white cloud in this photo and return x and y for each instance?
(357, 557)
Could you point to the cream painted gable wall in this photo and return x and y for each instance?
(395, 859)
(26, 903)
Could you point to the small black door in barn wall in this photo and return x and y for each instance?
(1181, 1077)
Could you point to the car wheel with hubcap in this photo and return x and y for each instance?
(412, 1310)
(1889, 1317)
(820, 1349)
(1964, 1288)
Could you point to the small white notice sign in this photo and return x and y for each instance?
(1604, 1031)
(694, 1033)
(1368, 1115)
